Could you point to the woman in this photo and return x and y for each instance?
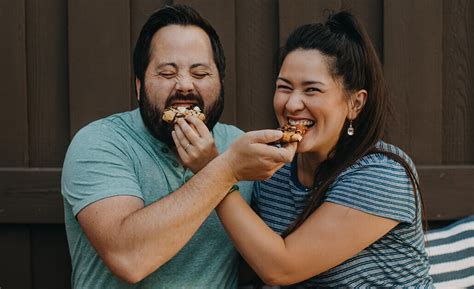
(347, 211)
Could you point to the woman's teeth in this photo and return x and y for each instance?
(305, 122)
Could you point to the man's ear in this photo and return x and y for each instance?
(137, 87)
(357, 102)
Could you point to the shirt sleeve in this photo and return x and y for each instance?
(376, 185)
(97, 166)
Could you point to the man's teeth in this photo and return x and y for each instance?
(306, 122)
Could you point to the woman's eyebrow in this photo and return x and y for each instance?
(306, 82)
(310, 82)
(284, 79)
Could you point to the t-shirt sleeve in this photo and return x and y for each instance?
(97, 166)
(378, 186)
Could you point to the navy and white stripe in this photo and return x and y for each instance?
(451, 254)
(376, 185)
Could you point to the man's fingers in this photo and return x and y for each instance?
(177, 142)
(180, 137)
(189, 133)
(276, 154)
(264, 136)
(199, 125)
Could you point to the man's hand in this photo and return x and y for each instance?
(250, 158)
(194, 143)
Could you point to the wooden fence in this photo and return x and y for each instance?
(66, 63)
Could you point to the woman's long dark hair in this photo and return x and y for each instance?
(354, 61)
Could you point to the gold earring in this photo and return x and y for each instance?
(350, 129)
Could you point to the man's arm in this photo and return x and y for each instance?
(134, 240)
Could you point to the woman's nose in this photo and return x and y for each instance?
(294, 103)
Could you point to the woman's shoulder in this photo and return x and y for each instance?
(385, 161)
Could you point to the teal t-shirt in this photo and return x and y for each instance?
(118, 156)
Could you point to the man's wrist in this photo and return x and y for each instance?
(233, 189)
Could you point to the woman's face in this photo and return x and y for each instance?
(306, 92)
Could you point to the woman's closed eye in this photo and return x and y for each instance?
(312, 89)
(283, 87)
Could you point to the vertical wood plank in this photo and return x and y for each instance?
(257, 53)
(140, 10)
(296, 13)
(413, 68)
(99, 59)
(15, 270)
(221, 15)
(50, 258)
(458, 82)
(46, 26)
(13, 111)
(370, 14)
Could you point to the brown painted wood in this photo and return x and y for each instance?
(13, 110)
(48, 108)
(30, 196)
(50, 257)
(448, 191)
(413, 68)
(140, 10)
(221, 15)
(294, 13)
(15, 263)
(99, 59)
(370, 14)
(458, 82)
(257, 52)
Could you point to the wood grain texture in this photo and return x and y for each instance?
(13, 110)
(30, 196)
(99, 59)
(15, 263)
(369, 12)
(48, 108)
(448, 191)
(221, 15)
(370, 15)
(413, 68)
(458, 82)
(257, 53)
(294, 13)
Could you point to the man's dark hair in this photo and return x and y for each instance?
(177, 15)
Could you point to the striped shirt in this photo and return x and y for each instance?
(377, 185)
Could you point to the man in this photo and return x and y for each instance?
(139, 194)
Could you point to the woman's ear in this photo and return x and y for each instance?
(357, 102)
(137, 87)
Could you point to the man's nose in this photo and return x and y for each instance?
(184, 84)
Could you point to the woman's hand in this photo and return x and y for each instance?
(250, 158)
(194, 143)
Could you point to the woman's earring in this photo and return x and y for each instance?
(350, 129)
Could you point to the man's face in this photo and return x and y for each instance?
(181, 72)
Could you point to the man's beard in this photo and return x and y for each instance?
(161, 130)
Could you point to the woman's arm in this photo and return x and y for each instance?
(331, 235)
